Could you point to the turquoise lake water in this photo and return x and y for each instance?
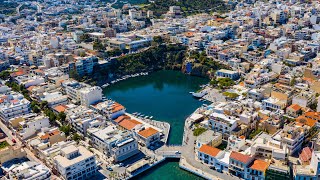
(165, 96)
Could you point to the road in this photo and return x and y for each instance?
(188, 154)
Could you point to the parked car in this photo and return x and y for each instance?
(109, 169)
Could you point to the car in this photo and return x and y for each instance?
(120, 164)
(109, 169)
(178, 152)
(14, 141)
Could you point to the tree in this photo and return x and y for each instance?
(158, 40)
(73, 74)
(5, 75)
(44, 104)
(36, 109)
(76, 137)
(62, 116)
(98, 46)
(66, 129)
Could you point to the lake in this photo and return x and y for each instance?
(165, 96)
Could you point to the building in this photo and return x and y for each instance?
(109, 108)
(224, 73)
(54, 98)
(83, 118)
(222, 123)
(210, 138)
(149, 136)
(207, 154)
(113, 142)
(83, 93)
(29, 80)
(292, 136)
(29, 170)
(239, 164)
(13, 105)
(257, 170)
(75, 163)
(90, 95)
(30, 125)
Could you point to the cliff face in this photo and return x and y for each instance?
(170, 57)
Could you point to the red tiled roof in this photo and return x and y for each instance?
(295, 107)
(128, 124)
(209, 150)
(306, 154)
(120, 118)
(60, 108)
(259, 165)
(148, 132)
(240, 157)
(306, 121)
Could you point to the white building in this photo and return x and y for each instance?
(82, 118)
(111, 141)
(13, 105)
(273, 104)
(32, 125)
(29, 80)
(90, 95)
(222, 123)
(54, 98)
(84, 93)
(29, 170)
(75, 163)
(110, 108)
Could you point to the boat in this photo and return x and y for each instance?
(146, 117)
(199, 94)
(134, 113)
(151, 117)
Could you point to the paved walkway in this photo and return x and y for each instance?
(213, 95)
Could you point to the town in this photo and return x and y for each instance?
(260, 112)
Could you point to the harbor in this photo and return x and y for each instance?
(167, 96)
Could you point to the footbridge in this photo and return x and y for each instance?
(171, 151)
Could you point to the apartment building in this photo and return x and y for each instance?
(30, 125)
(207, 154)
(75, 163)
(239, 163)
(13, 105)
(82, 118)
(222, 123)
(113, 142)
(109, 108)
(149, 136)
(83, 93)
(28, 170)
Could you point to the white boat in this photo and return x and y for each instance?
(146, 117)
(151, 117)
